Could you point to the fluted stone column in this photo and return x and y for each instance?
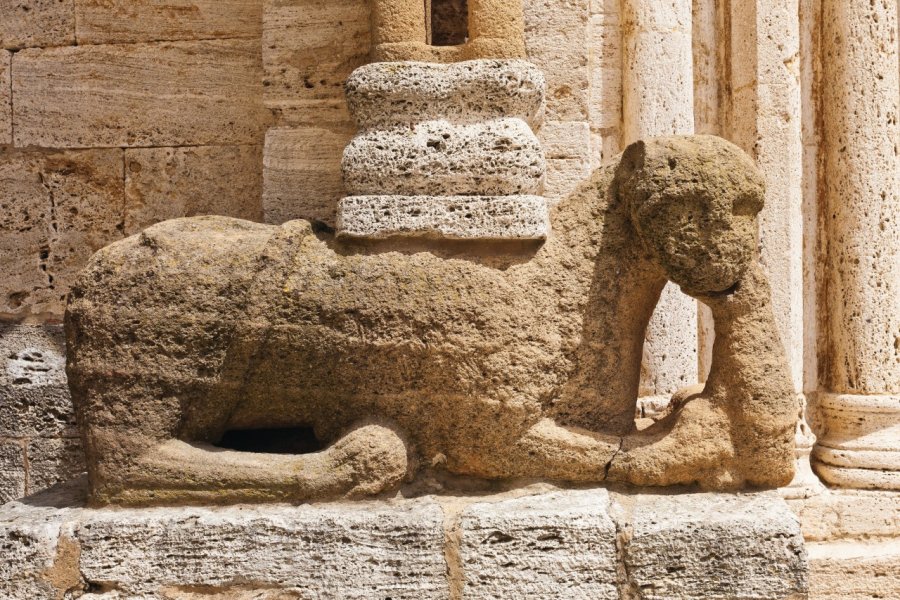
(859, 350)
(658, 99)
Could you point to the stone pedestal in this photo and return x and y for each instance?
(537, 542)
(445, 151)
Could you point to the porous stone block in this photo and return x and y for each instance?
(27, 23)
(713, 546)
(854, 570)
(5, 98)
(164, 94)
(309, 49)
(496, 158)
(448, 217)
(12, 471)
(128, 21)
(52, 461)
(337, 551)
(557, 545)
(34, 396)
(58, 208)
(556, 40)
(302, 173)
(388, 93)
(168, 183)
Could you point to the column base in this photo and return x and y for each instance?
(860, 443)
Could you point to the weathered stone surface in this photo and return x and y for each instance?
(52, 461)
(854, 570)
(166, 94)
(338, 551)
(57, 209)
(849, 514)
(309, 49)
(127, 21)
(860, 442)
(384, 94)
(12, 470)
(556, 38)
(567, 147)
(557, 545)
(302, 173)
(5, 98)
(707, 547)
(447, 217)
(168, 183)
(27, 23)
(478, 362)
(495, 158)
(34, 396)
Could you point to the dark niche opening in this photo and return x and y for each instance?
(449, 22)
(287, 440)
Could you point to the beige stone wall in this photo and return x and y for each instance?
(114, 114)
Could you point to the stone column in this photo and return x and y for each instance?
(859, 346)
(658, 99)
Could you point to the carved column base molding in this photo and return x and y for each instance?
(859, 446)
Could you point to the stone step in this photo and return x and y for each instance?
(495, 158)
(447, 217)
(537, 542)
(387, 93)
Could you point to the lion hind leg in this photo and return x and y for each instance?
(367, 460)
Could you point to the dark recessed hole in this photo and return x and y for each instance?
(288, 440)
(449, 22)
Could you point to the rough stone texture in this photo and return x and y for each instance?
(472, 91)
(302, 173)
(34, 396)
(57, 209)
(854, 571)
(5, 98)
(495, 158)
(556, 39)
(167, 183)
(657, 99)
(860, 442)
(166, 94)
(860, 328)
(448, 217)
(538, 542)
(558, 545)
(37, 421)
(12, 470)
(751, 543)
(333, 552)
(27, 23)
(309, 49)
(125, 21)
(848, 514)
(252, 326)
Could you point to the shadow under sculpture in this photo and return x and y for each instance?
(493, 364)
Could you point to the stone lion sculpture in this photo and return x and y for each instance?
(521, 362)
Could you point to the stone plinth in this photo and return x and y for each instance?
(538, 542)
(433, 134)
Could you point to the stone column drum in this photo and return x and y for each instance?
(658, 92)
(859, 445)
(445, 151)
